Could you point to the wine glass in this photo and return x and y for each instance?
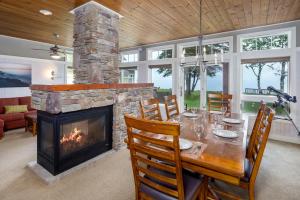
(215, 120)
(194, 110)
(223, 110)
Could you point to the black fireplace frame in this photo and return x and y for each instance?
(56, 164)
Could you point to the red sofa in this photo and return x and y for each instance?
(14, 120)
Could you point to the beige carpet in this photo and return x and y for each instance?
(111, 178)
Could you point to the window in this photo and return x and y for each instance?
(162, 79)
(70, 75)
(258, 75)
(278, 41)
(209, 49)
(69, 57)
(129, 58)
(161, 54)
(128, 75)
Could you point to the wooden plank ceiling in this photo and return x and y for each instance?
(145, 21)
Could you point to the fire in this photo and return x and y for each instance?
(75, 137)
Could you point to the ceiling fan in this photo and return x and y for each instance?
(55, 51)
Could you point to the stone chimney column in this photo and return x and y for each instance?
(96, 44)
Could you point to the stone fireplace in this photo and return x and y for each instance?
(79, 121)
(69, 139)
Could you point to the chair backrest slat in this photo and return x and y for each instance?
(150, 109)
(149, 155)
(260, 138)
(171, 106)
(255, 128)
(215, 101)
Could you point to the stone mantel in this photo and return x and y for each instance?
(74, 87)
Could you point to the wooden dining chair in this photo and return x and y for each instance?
(215, 101)
(171, 106)
(256, 150)
(254, 129)
(156, 162)
(150, 109)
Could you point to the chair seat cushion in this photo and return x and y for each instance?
(11, 117)
(191, 183)
(248, 170)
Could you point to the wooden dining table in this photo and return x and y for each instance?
(217, 157)
(213, 156)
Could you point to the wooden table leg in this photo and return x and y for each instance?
(26, 125)
(33, 128)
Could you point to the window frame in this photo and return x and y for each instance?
(269, 53)
(128, 53)
(273, 32)
(136, 73)
(160, 48)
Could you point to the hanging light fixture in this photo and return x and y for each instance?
(201, 53)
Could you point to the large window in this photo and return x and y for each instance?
(162, 79)
(161, 54)
(257, 76)
(278, 41)
(208, 49)
(128, 75)
(132, 57)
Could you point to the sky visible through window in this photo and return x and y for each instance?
(270, 76)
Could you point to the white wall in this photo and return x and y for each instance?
(41, 74)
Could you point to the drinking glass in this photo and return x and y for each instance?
(215, 120)
(223, 110)
(194, 110)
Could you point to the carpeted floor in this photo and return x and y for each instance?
(111, 178)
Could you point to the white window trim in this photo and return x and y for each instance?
(129, 53)
(273, 32)
(160, 48)
(271, 53)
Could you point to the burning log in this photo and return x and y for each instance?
(73, 140)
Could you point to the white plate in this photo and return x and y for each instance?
(185, 144)
(215, 112)
(187, 114)
(225, 133)
(232, 121)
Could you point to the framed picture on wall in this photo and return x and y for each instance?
(15, 75)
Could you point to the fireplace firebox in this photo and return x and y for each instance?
(68, 139)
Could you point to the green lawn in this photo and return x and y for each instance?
(193, 100)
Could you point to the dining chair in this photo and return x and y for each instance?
(156, 162)
(171, 106)
(261, 132)
(216, 101)
(150, 109)
(258, 118)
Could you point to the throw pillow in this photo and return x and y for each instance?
(15, 109)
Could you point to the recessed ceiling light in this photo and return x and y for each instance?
(46, 12)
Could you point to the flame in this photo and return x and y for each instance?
(76, 136)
